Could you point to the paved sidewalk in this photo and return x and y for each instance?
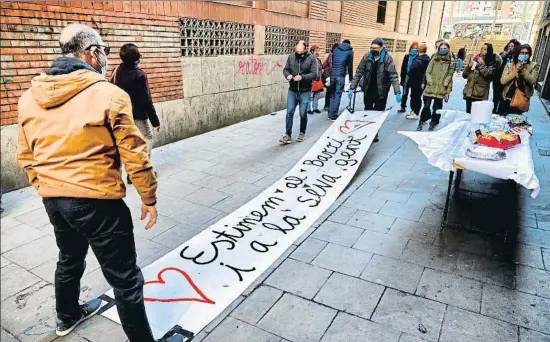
(375, 267)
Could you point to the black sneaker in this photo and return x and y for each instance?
(401, 110)
(173, 338)
(88, 310)
(376, 139)
(310, 112)
(317, 111)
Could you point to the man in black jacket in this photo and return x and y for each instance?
(300, 71)
(378, 74)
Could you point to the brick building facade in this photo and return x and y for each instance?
(209, 63)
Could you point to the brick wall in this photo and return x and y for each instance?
(30, 32)
(356, 12)
(318, 10)
(318, 38)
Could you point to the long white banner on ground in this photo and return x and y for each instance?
(194, 283)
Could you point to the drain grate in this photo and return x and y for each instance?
(544, 153)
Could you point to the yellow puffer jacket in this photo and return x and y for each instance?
(75, 130)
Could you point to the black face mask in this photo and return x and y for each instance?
(375, 53)
(300, 54)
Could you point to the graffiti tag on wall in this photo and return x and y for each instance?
(254, 66)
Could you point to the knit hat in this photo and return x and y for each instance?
(378, 41)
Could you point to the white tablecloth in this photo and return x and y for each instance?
(448, 144)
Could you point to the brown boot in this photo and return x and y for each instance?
(432, 126)
(420, 126)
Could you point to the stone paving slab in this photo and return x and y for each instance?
(346, 328)
(349, 294)
(450, 289)
(413, 315)
(288, 277)
(516, 307)
(342, 259)
(297, 319)
(397, 274)
(462, 325)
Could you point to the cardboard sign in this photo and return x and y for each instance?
(190, 286)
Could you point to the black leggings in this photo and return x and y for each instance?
(428, 114)
(416, 99)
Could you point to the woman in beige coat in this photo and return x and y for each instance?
(522, 74)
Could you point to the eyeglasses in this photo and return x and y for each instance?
(105, 49)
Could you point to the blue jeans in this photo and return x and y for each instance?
(294, 99)
(337, 84)
(460, 63)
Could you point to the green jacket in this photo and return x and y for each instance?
(439, 76)
(479, 80)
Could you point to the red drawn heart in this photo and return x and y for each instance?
(351, 126)
(160, 280)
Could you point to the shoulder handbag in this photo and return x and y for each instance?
(519, 101)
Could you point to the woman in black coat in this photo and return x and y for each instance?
(415, 76)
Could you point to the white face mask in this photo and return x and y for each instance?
(104, 67)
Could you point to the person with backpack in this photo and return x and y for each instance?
(439, 83)
(342, 62)
(378, 72)
(405, 68)
(318, 85)
(479, 74)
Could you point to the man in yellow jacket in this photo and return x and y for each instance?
(75, 131)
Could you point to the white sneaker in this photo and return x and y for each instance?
(285, 139)
(412, 116)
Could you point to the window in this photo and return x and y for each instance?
(208, 38)
(389, 43)
(381, 14)
(331, 39)
(283, 40)
(401, 46)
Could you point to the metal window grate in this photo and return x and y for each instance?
(401, 46)
(389, 44)
(208, 38)
(282, 40)
(331, 39)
